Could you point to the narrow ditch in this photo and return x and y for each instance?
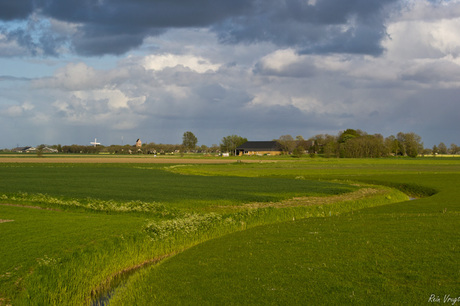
(104, 292)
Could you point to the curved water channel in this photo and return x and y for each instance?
(102, 295)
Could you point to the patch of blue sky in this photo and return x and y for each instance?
(29, 69)
(34, 61)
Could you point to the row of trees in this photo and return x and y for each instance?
(349, 143)
(442, 149)
(356, 143)
(189, 144)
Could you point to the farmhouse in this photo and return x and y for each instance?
(33, 150)
(259, 148)
(23, 149)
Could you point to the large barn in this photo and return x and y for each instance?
(259, 148)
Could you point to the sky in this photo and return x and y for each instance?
(119, 70)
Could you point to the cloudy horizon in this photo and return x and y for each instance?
(118, 70)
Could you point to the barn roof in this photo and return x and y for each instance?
(20, 149)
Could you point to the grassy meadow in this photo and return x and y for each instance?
(276, 231)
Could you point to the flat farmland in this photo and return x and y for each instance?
(114, 159)
(79, 230)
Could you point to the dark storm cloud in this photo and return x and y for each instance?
(10, 10)
(116, 26)
(355, 26)
(143, 13)
(99, 40)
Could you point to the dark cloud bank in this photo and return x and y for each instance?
(117, 26)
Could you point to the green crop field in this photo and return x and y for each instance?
(153, 183)
(290, 231)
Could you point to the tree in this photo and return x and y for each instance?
(435, 150)
(230, 143)
(317, 143)
(324, 144)
(214, 148)
(330, 146)
(40, 150)
(392, 145)
(302, 146)
(364, 146)
(442, 148)
(287, 143)
(410, 143)
(349, 134)
(189, 141)
(427, 151)
(298, 151)
(454, 149)
(204, 149)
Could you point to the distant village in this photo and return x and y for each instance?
(349, 143)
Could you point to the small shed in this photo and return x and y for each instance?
(259, 148)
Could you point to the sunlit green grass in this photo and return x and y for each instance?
(70, 279)
(153, 183)
(86, 246)
(353, 259)
(327, 168)
(400, 253)
(82, 239)
(33, 235)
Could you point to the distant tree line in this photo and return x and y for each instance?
(347, 144)
(442, 149)
(356, 143)
(189, 144)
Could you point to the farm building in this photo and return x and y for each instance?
(23, 149)
(33, 150)
(259, 148)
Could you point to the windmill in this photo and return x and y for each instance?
(95, 143)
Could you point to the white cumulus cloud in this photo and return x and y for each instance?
(195, 63)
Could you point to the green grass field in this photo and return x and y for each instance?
(153, 183)
(359, 259)
(368, 245)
